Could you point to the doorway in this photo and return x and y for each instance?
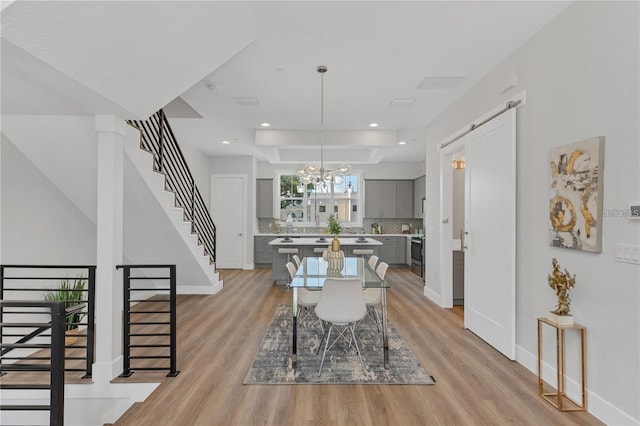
(458, 165)
(228, 210)
(487, 238)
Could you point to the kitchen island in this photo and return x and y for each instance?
(313, 247)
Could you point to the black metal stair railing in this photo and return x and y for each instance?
(43, 351)
(149, 337)
(156, 137)
(31, 282)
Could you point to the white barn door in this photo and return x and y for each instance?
(490, 226)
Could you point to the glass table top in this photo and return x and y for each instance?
(313, 271)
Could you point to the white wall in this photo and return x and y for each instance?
(199, 164)
(581, 75)
(39, 224)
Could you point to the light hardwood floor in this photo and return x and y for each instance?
(219, 335)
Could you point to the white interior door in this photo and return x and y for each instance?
(228, 209)
(490, 224)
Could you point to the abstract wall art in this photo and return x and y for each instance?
(575, 207)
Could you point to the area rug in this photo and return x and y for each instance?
(271, 364)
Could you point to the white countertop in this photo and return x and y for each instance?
(300, 235)
(314, 241)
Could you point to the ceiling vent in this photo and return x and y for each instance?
(399, 102)
(434, 82)
(247, 101)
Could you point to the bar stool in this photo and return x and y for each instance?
(288, 251)
(362, 252)
(319, 251)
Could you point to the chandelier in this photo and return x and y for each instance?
(319, 175)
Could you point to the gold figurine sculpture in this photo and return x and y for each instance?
(561, 282)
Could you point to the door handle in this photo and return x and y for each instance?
(240, 234)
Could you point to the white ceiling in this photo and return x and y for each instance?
(131, 58)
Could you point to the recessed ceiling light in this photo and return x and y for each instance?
(373, 125)
(265, 125)
(226, 142)
(402, 142)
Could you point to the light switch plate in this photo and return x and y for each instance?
(628, 253)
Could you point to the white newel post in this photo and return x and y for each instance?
(110, 136)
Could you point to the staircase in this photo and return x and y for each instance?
(163, 168)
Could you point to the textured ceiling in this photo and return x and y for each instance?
(132, 58)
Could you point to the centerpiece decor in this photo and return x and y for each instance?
(334, 257)
(561, 282)
(333, 225)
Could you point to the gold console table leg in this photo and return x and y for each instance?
(558, 397)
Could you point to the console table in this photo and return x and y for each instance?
(557, 397)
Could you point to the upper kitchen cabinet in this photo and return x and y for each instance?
(264, 198)
(419, 193)
(404, 199)
(385, 199)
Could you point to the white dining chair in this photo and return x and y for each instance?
(297, 260)
(288, 251)
(373, 260)
(307, 299)
(342, 306)
(373, 296)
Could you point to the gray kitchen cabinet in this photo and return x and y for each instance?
(264, 198)
(380, 199)
(458, 277)
(262, 253)
(388, 199)
(401, 250)
(419, 192)
(393, 250)
(404, 198)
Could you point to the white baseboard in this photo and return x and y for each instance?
(200, 289)
(85, 404)
(596, 405)
(433, 296)
(104, 372)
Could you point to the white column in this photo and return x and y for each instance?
(110, 136)
(1, 204)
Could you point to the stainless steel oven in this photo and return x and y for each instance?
(417, 256)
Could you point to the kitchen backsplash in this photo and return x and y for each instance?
(389, 226)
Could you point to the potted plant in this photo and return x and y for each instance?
(72, 295)
(333, 226)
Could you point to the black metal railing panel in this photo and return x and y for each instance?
(157, 137)
(40, 365)
(149, 338)
(42, 282)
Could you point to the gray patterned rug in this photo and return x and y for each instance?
(341, 364)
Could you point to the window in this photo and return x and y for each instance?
(312, 204)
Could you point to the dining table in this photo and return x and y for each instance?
(312, 273)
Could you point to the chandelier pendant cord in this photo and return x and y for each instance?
(320, 175)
